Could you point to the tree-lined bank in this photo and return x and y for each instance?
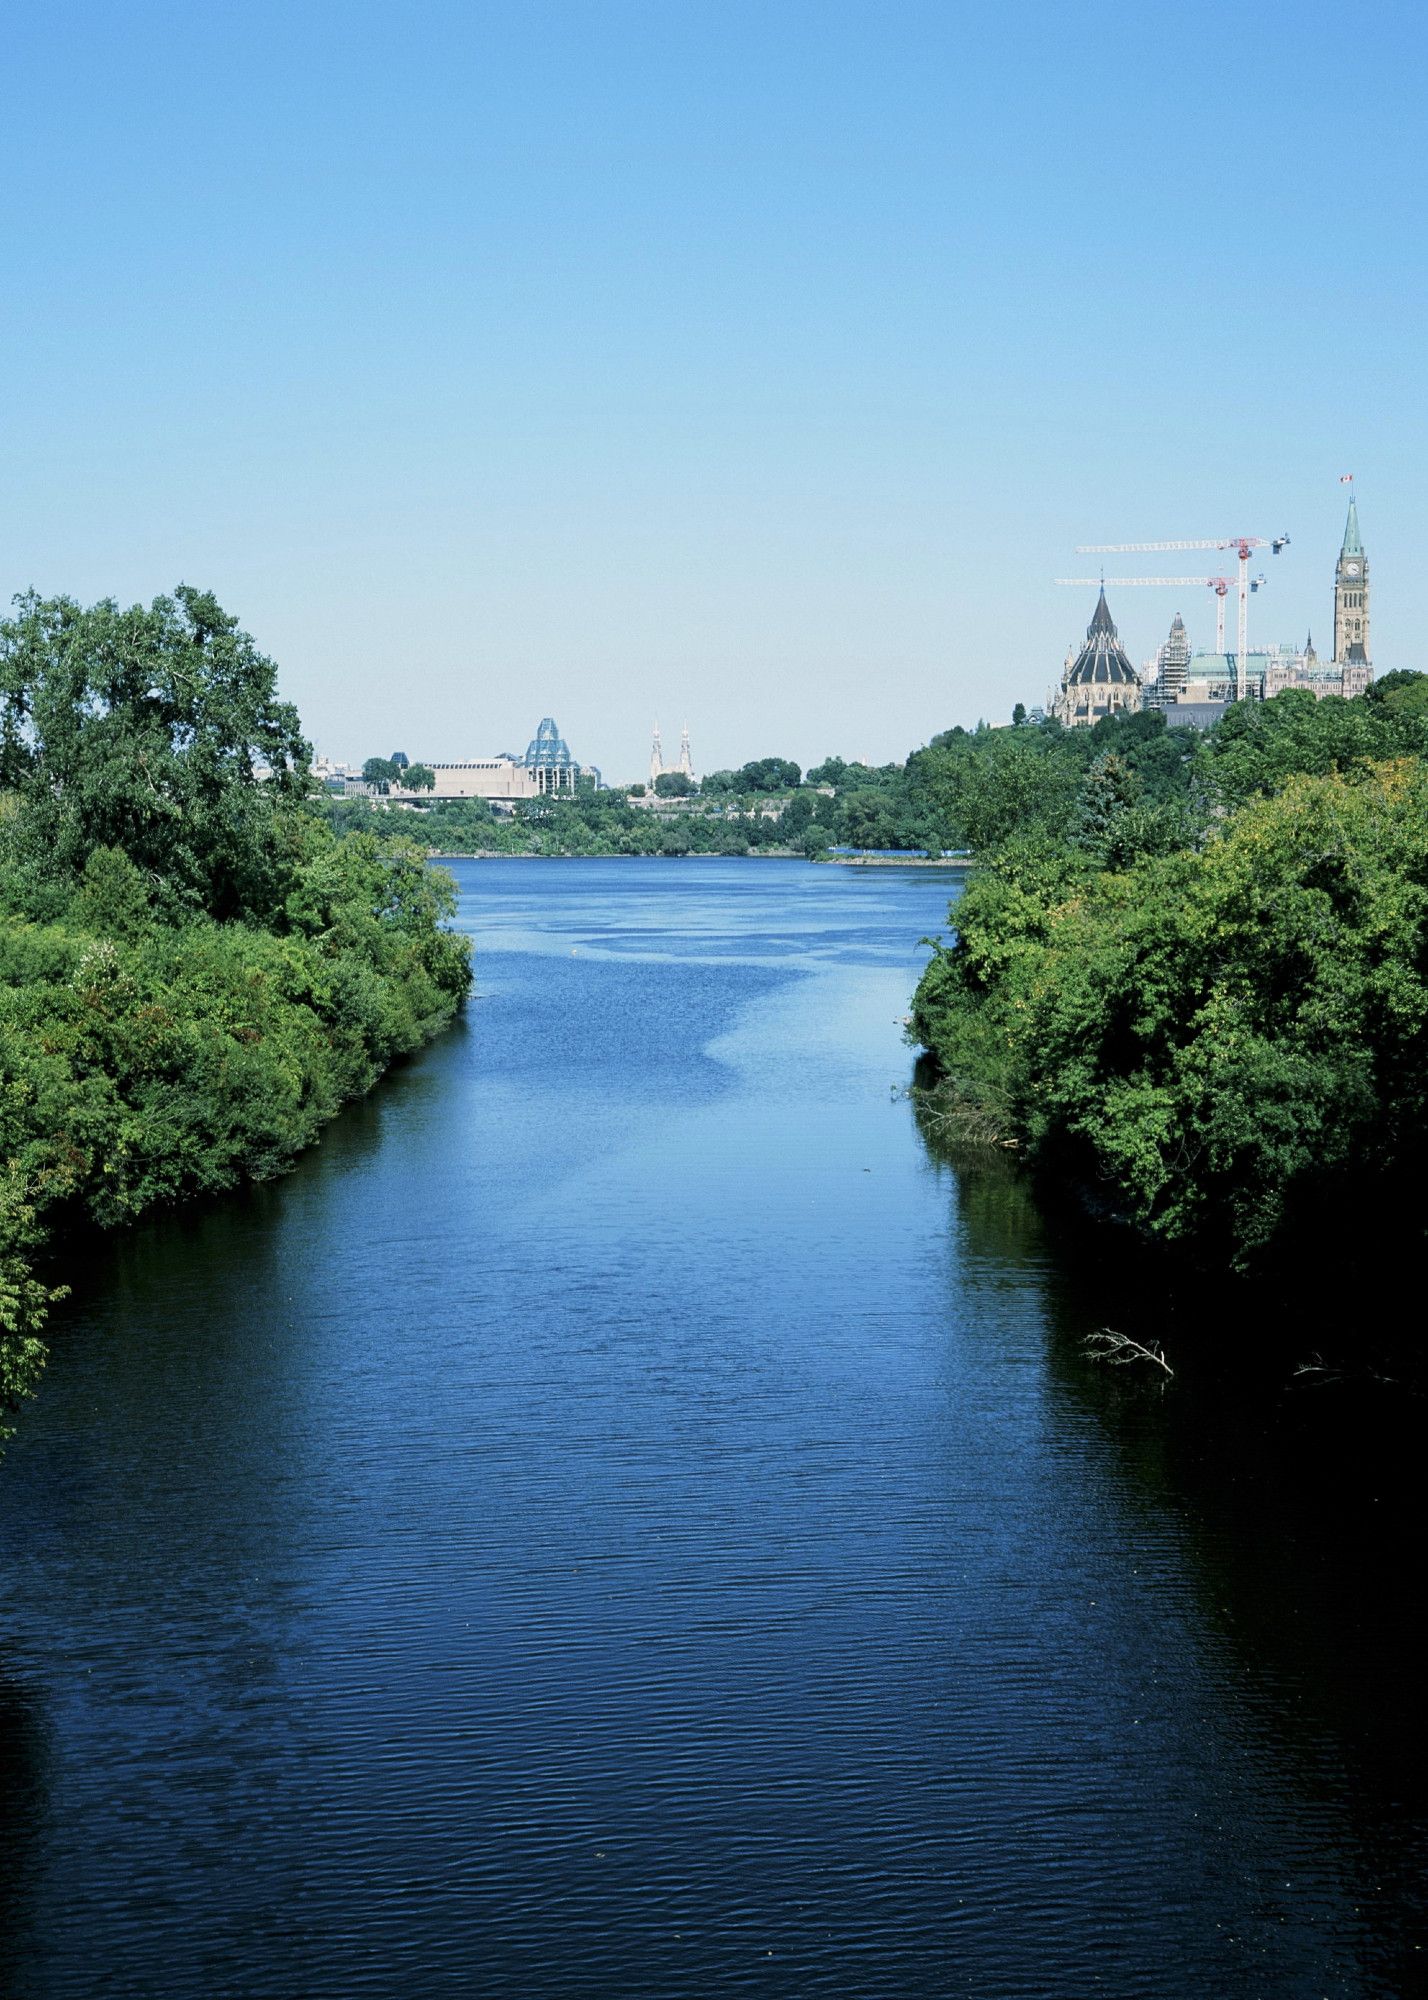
(965, 789)
(195, 971)
(1220, 1037)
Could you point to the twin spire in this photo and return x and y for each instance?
(685, 766)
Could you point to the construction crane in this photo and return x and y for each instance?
(1221, 585)
(1241, 544)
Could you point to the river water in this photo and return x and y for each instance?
(622, 1519)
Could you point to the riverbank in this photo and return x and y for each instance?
(495, 854)
(149, 1064)
(1223, 1045)
(196, 972)
(961, 866)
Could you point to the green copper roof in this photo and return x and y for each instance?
(1352, 545)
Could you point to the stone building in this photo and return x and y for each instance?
(1351, 599)
(1100, 680)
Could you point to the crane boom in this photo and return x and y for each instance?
(1245, 542)
(1241, 544)
(1163, 582)
(1140, 548)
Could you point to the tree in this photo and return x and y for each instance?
(1258, 745)
(1109, 792)
(1404, 692)
(1019, 715)
(1224, 1046)
(674, 785)
(769, 774)
(867, 821)
(419, 778)
(156, 731)
(114, 894)
(980, 790)
(380, 771)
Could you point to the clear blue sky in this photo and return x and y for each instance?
(755, 363)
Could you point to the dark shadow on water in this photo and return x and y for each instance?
(1298, 1502)
(91, 1261)
(24, 1794)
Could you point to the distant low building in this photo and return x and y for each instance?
(547, 768)
(1211, 677)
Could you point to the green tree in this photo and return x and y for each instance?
(419, 778)
(1403, 692)
(113, 894)
(1228, 1047)
(156, 731)
(769, 774)
(674, 785)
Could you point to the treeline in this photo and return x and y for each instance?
(195, 971)
(1194, 987)
(967, 789)
(585, 823)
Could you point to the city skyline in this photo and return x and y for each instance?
(732, 362)
(1198, 635)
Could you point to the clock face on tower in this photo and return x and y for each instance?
(1351, 569)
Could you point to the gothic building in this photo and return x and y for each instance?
(1351, 598)
(1100, 680)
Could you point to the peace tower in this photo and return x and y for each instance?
(1351, 597)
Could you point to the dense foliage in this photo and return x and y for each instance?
(195, 971)
(585, 823)
(1201, 998)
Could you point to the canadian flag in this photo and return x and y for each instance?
(1346, 479)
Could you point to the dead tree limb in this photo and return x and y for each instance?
(1121, 1351)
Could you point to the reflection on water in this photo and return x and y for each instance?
(625, 1518)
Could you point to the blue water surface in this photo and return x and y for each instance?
(622, 1519)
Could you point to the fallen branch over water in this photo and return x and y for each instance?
(1121, 1351)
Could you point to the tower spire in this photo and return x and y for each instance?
(685, 764)
(1352, 646)
(1352, 544)
(656, 757)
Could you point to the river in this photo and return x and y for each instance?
(621, 1519)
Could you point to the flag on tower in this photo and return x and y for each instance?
(1346, 479)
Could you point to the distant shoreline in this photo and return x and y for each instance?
(494, 854)
(763, 854)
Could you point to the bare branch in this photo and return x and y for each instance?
(1121, 1351)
